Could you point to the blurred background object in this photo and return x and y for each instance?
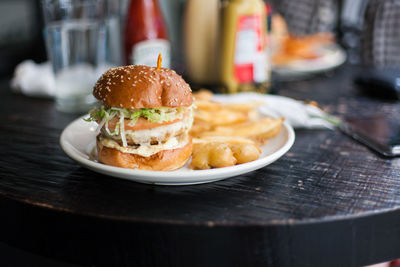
(300, 56)
(308, 36)
(146, 34)
(201, 39)
(350, 27)
(243, 60)
(308, 16)
(367, 29)
(364, 30)
(82, 41)
(173, 11)
(382, 83)
(343, 18)
(381, 34)
(20, 33)
(114, 22)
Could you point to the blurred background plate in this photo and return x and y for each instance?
(332, 56)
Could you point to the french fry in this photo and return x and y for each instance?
(259, 130)
(228, 134)
(212, 155)
(245, 153)
(207, 105)
(241, 107)
(200, 127)
(223, 139)
(203, 94)
(223, 117)
(219, 154)
(244, 107)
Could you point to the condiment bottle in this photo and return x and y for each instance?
(244, 60)
(146, 34)
(200, 36)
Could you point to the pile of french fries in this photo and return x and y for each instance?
(228, 134)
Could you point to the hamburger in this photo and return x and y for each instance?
(145, 118)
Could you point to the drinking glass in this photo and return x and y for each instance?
(82, 41)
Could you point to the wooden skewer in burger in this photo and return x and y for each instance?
(145, 118)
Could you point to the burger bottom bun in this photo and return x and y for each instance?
(165, 160)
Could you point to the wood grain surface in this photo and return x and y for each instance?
(328, 202)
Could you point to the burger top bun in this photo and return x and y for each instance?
(138, 86)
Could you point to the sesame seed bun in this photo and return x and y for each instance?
(138, 86)
(165, 160)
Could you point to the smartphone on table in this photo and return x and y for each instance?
(377, 131)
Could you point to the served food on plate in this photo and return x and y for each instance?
(228, 134)
(289, 48)
(145, 118)
(147, 115)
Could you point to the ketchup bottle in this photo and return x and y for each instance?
(146, 34)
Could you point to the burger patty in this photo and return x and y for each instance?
(153, 136)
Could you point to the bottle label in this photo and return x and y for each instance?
(250, 63)
(146, 53)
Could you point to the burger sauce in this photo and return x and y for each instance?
(244, 55)
(146, 34)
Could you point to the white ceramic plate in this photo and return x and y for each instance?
(78, 140)
(332, 56)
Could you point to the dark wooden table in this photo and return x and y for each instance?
(328, 202)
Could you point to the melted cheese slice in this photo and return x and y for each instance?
(146, 150)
